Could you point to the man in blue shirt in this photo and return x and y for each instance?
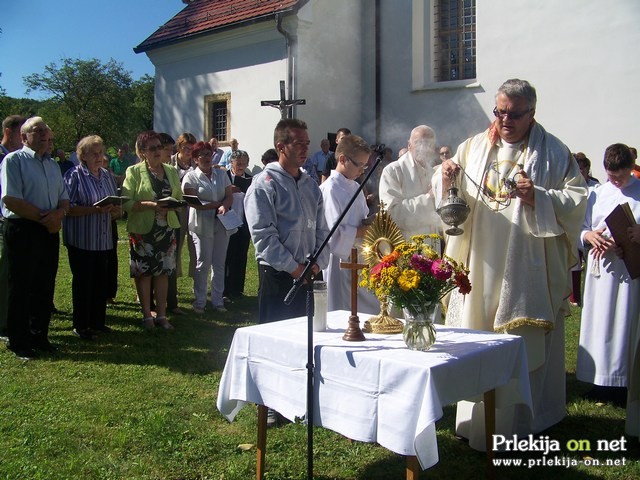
(11, 141)
(34, 202)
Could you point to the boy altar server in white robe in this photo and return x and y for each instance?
(352, 155)
(609, 324)
(517, 243)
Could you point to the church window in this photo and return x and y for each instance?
(443, 44)
(454, 40)
(217, 119)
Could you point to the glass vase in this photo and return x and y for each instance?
(418, 332)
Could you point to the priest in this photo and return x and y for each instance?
(352, 156)
(527, 201)
(405, 186)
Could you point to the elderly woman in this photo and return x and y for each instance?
(236, 263)
(87, 234)
(112, 263)
(212, 187)
(183, 162)
(151, 225)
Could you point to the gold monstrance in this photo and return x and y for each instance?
(382, 237)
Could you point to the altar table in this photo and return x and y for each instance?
(371, 391)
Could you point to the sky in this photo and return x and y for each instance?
(36, 33)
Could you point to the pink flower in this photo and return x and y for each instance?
(377, 269)
(420, 263)
(441, 269)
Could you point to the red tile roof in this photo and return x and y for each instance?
(205, 16)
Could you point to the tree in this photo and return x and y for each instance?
(88, 97)
(143, 91)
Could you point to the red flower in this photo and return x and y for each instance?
(462, 282)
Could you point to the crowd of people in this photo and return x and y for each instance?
(533, 208)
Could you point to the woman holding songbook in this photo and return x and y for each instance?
(213, 188)
(611, 298)
(87, 234)
(236, 262)
(151, 225)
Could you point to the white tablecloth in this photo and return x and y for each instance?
(372, 391)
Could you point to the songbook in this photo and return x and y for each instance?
(111, 200)
(618, 221)
(230, 220)
(171, 202)
(193, 200)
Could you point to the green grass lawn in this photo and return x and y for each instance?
(133, 405)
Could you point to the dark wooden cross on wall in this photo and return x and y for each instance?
(283, 104)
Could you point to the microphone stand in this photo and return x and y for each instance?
(298, 282)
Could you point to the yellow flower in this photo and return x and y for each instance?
(429, 252)
(409, 280)
(406, 249)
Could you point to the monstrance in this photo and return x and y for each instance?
(382, 237)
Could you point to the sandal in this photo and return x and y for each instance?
(164, 323)
(148, 324)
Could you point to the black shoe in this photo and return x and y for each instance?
(45, 346)
(84, 334)
(103, 328)
(614, 395)
(24, 353)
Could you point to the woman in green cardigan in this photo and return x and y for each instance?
(151, 226)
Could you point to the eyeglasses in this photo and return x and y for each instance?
(364, 166)
(512, 115)
(154, 148)
(445, 154)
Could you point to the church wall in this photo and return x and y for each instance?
(579, 54)
(248, 62)
(329, 73)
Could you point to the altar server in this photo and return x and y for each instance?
(352, 156)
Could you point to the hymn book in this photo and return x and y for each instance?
(618, 221)
(171, 202)
(193, 200)
(111, 200)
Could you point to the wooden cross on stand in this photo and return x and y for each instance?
(283, 104)
(354, 333)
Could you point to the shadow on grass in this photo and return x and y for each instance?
(198, 345)
(458, 460)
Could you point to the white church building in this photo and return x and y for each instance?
(381, 67)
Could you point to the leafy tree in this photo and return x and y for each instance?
(19, 106)
(88, 97)
(143, 91)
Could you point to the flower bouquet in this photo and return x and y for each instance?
(415, 278)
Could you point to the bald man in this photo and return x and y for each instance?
(405, 185)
